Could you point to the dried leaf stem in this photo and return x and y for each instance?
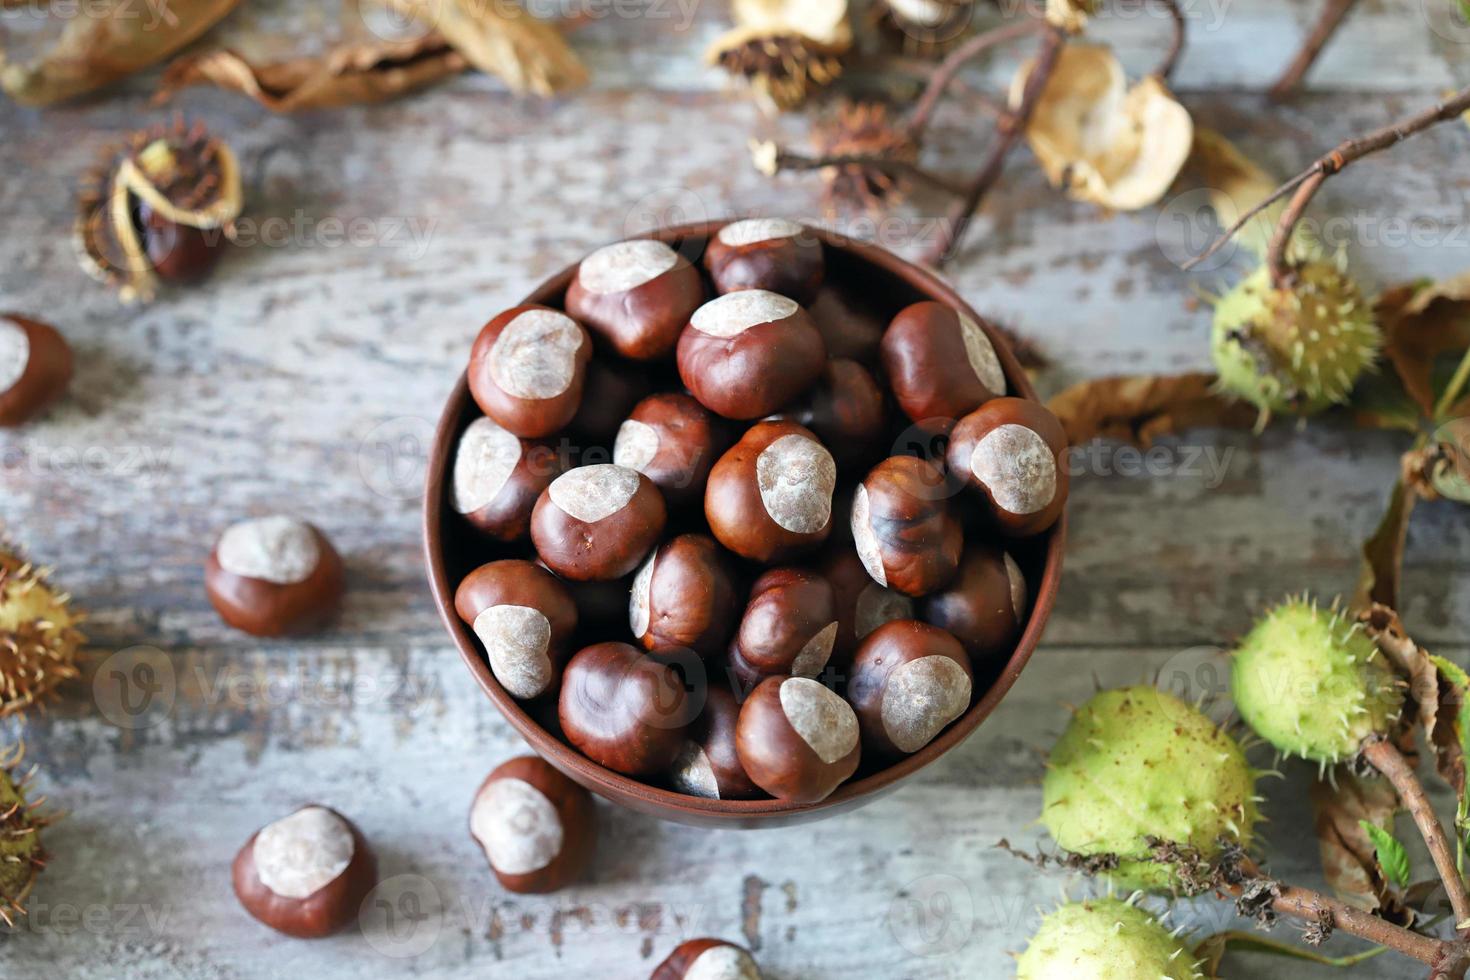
(943, 75)
(1334, 161)
(1387, 759)
(1332, 16)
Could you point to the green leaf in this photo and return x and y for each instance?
(1392, 857)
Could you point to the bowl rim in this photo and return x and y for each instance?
(616, 786)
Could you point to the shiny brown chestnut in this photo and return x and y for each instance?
(707, 959)
(909, 681)
(985, 606)
(307, 874)
(789, 627)
(624, 710)
(671, 439)
(770, 496)
(497, 478)
(940, 364)
(903, 528)
(683, 597)
(538, 828)
(845, 409)
(797, 740)
(747, 354)
(35, 368)
(1014, 452)
(636, 295)
(862, 604)
(847, 325)
(527, 369)
(273, 576)
(524, 617)
(766, 253)
(177, 252)
(708, 765)
(597, 522)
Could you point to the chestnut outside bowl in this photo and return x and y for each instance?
(452, 551)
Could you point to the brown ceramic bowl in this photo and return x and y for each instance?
(453, 550)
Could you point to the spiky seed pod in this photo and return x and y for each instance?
(38, 635)
(922, 28)
(157, 207)
(1137, 766)
(1310, 682)
(862, 129)
(1294, 349)
(21, 854)
(781, 69)
(1105, 939)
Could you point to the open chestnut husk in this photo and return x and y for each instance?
(527, 369)
(940, 364)
(538, 828)
(498, 477)
(709, 765)
(908, 682)
(274, 576)
(707, 959)
(671, 439)
(745, 355)
(789, 627)
(525, 618)
(769, 497)
(797, 740)
(984, 606)
(637, 295)
(683, 598)
(1013, 451)
(35, 368)
(903, 528)
(597, 522)
(307, 874)
(625, 710)
(774, 254)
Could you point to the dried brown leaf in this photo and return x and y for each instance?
(349, 75)
(1420, 323)
(502, 39)
(1408, 659)
(1382, 563)
(1138, 409)
(1348, 861)
(1235, 184)
(109, 44)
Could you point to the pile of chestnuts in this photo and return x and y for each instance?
(751, 520)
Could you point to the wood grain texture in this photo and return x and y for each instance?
(305, 377)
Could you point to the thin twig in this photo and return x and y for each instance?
(1009, 129)
(1176, 46)
(1387, 759)
(787, 160)
(1326, 26)
(1343, 154)
(957, 59)
(1281, 236)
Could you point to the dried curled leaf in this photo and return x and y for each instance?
(502, 39)
(1348, 857)
(1100, 140)
(784, 48)
(1409, 660)
(1382, 564)
(1139, 409)
(354, 74)
(1422, 322)
(110, 43)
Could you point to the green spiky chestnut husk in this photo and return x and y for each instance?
(1105, 939)
(1137, 765)
(1310, 682)
(1296, 349)
(21, 854)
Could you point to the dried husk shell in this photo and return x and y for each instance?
(502, 39)
(784, 48)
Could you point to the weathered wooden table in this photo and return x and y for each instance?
(305, 376)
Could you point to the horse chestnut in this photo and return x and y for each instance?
(708, 765)
(845, 409)
(902, 526)
(940, 365)
(766, 253)
(497, 478)
(862, 604)
(625, 710)
(527, 369)
(307, 874)
(35, 368)
(537, 827)
(789, 627)
(683, 598)
(985, 606)
(847, 324)
(909, 680)
(770, 496)
(597, 522)
(707, 959)
(796, 739)
(670, 439)
(524, 617)
(273, 576)
(746, 354)
(637, 295)
(1012, 451)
